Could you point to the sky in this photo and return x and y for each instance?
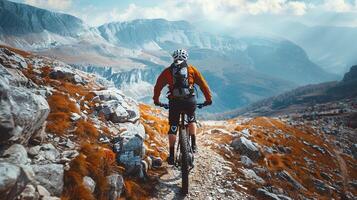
(211, 13)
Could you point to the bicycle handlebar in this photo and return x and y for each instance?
(166, 106)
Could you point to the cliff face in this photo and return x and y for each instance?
(20, 19)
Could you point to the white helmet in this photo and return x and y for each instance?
(180, 54)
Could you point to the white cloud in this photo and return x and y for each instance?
(196, 10)
(60, 5)
(215, 12)
(298, 8)
(339, 6)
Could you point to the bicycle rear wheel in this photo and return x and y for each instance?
(184, 159)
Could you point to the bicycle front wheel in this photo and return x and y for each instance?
(184, 159)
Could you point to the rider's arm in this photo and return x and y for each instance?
(201, 82)
(160, 83)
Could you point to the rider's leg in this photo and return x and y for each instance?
(174, 118)
(192, 128)
(172, 140)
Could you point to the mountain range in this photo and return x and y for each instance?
(239, 70)
(325, 95)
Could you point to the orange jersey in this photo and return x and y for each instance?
(194, 77)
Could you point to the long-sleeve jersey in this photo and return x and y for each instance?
(194, 77)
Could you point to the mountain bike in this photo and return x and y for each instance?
(184, 153)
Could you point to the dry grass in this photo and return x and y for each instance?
(156, 129)
(59, 118)
(58, 123)
(265, 135)
(18, 51)
(96, 162)
(85, 129)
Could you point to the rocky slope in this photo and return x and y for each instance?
(266, 158)
(63, 132)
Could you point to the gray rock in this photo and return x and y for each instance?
(247, 162)
(250, 174)
(322, 187)
(325, 176)
(354, 151)
(271, 196)
(20, 103)
(246, 133)
(75, 117)
(16, 154)
(50, 176)
(89, 183)
(13, 180)
(284, 175)
(29, 193)
(246, 147)
(51, 198)
(70, 154)
(282, 149)
(116, 107)
(42, 191)
(116, 185)
(48, 153)
(34, 151)
(11, 59)
(66, 73)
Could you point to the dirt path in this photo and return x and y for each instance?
(207, 179)
(343, 168)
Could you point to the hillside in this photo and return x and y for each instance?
(330, 95)
(68, 134)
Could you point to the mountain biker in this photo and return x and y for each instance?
(180, 78)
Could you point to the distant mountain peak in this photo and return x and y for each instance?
(351, 75)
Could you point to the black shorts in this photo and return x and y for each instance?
(176, 106)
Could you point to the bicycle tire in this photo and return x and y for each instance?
(184, 160)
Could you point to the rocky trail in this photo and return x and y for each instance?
(208, 179)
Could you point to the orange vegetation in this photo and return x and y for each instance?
(96, 162)
(86, 129)
(299, 140)
(156, 128)
(18, 51)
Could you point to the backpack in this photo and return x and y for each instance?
(181, 87)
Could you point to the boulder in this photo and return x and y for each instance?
(50, 176)
(48, 152)
(16, 154)
(247, 162)
(13, 180)
(264, 194)
(246, 147)
(285, 176)
(34, 151)
(66, 73)
(116, 185)
(246, 133)
(354, 150)
(29, 193)
(42, 191)
(321, 187)
(250, 174)
(89, 183)
(22, 113)
(75, 116)
(11, 59)
(116, 107)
